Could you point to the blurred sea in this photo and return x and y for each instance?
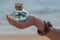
(48, 10)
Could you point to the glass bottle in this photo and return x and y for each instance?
(19, 14)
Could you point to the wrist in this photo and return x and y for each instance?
(47, 29)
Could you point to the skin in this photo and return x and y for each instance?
(52, 35)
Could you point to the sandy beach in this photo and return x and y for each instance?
(22, 37)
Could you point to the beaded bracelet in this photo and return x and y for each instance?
(47, 28)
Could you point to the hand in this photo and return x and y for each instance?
(31, 21)
(22, 25)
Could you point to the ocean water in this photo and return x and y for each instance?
(48, 10)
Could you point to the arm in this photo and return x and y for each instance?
(39, 24)
(54, 34)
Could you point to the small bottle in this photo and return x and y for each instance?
(19, 14)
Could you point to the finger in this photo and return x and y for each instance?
(11, 21)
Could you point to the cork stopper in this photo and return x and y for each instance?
(18, 6)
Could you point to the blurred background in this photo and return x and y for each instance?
(48, 10)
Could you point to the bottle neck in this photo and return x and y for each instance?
(19, 10)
